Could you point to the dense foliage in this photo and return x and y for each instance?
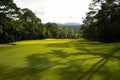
(22, 24)
(54, 30)
(103, 21)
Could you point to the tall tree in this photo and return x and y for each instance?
(103, 25)
(8, 12)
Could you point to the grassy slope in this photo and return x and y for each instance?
(55, 59)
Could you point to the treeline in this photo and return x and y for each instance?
(22, 24)
(102, 22)
(54, 30)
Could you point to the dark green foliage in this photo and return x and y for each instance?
(9, 29)
(18, 24)
(103, 25)
(54, 30)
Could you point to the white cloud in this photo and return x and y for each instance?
(57, 10)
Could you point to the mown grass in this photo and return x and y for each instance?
(57, 59)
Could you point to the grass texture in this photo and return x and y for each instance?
(57, 59)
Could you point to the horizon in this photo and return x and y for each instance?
(57, 11)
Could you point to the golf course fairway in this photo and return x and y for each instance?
(60, 59)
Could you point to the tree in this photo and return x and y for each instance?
(18, 24)
(8, 8)
(103, 25)
(33, 26)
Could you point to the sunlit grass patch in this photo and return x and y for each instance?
(47, 41)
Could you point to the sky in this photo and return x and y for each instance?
(58, 11)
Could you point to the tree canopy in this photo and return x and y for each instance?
(102, 22)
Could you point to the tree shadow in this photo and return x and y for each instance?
(88, 75)
(100, 64)
(34, 66)
(59, 53)
(110, 54)
(66, 72)
(39, 65)
(75, 43)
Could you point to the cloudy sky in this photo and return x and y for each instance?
(60, 11)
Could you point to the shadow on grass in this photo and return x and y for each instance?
(42, 67)
(100, 64)
(110, 54)
(75, 43)
(30, 72)
(88, 75)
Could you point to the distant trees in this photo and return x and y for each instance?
(103, 21)
(54, 30)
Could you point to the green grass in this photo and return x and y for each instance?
(57, 59)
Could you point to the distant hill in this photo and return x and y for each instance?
(71, 25)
